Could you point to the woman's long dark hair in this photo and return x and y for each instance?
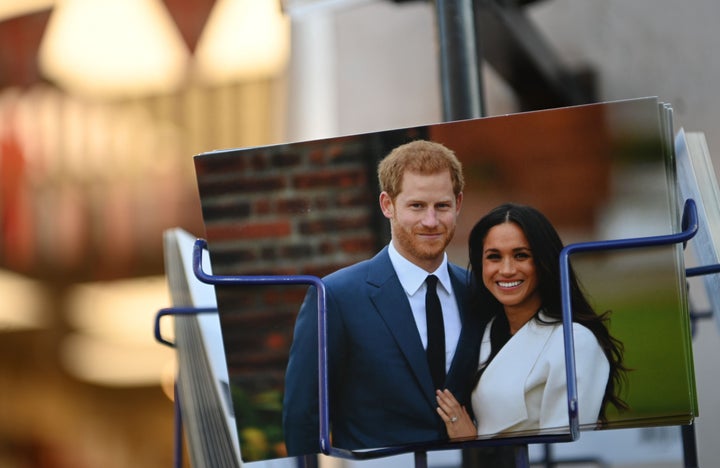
(546, 245)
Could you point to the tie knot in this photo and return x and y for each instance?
(431, 281)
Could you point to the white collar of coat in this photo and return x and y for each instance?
(512, 365)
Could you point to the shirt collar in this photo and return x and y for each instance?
(412, 277)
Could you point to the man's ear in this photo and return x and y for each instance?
(386, 205)
(458, 202)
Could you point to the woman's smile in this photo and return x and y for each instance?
(509, 284)
(509, 270)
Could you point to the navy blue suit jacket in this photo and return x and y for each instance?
(381, 392)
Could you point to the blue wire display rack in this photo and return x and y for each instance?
(688, 230)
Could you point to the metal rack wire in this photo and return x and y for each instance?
(689, 229)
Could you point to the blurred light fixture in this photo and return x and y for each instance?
(111, 364)
(23, 303)
(243, 40)
(112, 342)
(120, 311)
(113, 48)
(13, 8)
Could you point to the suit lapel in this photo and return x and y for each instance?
(522, 351)
(510, 369)
(466, 353)
(390, 301)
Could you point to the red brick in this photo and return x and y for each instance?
(328, 179)
(365, 244)
(274, 229)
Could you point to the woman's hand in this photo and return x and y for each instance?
(456, 418)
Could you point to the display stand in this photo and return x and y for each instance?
(689, 229)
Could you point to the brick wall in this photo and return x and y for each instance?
(307, 208)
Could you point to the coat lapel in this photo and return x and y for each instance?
(388, 297)
(390, 301)
(466, 353)
(510, 370)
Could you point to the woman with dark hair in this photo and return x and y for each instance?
(521, 381)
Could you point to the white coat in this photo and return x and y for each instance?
(524, 387)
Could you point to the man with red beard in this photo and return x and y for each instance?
(381, 387)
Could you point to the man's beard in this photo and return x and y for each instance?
(424, 250)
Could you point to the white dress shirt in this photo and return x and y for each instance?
(412, 278)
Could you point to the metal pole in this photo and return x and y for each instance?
(460, 76)
(421, 459)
